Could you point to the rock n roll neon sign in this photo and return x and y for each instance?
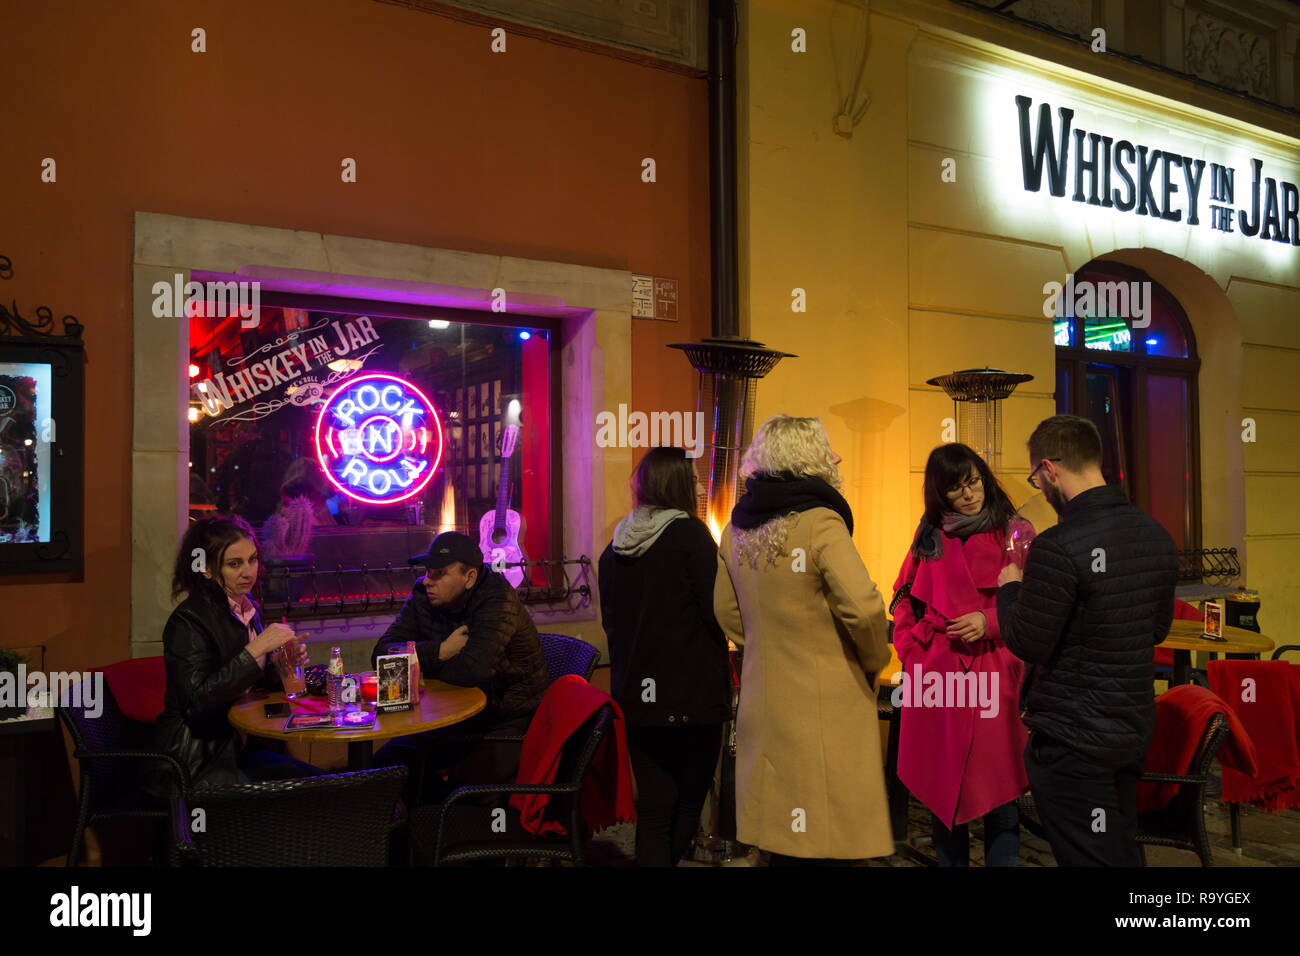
(378, 439)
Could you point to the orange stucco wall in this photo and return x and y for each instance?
(535, 152)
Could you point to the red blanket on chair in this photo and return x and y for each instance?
(607, 791)
(1182, 714)
(138, 686)
(1266, 696)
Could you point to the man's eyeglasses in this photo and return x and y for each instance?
(1033, 475)
(974, 483)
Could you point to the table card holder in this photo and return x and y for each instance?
(393, 683)
(1214, 621)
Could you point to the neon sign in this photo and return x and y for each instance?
(378, 439)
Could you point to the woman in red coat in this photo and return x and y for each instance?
(962, 741)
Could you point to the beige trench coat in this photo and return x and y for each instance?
(809, 775)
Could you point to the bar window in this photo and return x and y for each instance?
(350, 439)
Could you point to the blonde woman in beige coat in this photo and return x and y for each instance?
(792, 589)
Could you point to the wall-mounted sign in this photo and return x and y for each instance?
(378, 439)
(654, 297)
(1149, 181)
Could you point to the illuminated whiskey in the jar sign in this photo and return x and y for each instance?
(378, 439)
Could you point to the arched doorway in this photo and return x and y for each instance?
(1126, 359)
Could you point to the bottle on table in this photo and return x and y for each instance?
(415, 673)
(334, 681)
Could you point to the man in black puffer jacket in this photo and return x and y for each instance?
(1097, 595)
(469, 629)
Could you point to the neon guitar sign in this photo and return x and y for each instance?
(378, 439)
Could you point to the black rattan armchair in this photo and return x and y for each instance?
(477, 823)
(564, 655)
(116, 756)
(342, 819)
(568, 655)
(1182, 824)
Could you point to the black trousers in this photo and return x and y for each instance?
(1088, 810)
(674, 771)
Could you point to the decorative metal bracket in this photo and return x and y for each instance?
(296, 591)
(1212, 564)
(12, 323)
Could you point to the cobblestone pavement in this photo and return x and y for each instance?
(1268, 839)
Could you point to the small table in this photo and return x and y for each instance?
(1185, 637)
(441, 705)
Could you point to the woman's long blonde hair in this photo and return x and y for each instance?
(782, 443)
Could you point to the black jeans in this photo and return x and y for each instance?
(1001, 839)
(674, 771)
(1088, 810)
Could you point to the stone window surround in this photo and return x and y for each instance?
(592, 304)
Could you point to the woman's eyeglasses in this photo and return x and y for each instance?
(974, 484)
(1033, 475)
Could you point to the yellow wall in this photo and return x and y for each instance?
(908, 277)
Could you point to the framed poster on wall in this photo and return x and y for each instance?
(41, 429)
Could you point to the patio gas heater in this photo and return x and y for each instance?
(729, 368)
(977, 395)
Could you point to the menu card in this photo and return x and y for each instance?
(393, 683)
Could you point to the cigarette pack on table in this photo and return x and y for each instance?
(393, 683)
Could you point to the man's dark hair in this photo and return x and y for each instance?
(213, 536)
(665, 478)
(1074, 440)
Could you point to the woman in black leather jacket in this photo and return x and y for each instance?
(214, 649)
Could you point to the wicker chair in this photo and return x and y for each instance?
(461, 830)
(342, 819)
(115, 754)
(568, 655)
(1181, 824)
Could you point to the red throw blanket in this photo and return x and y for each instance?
(138, 686)
(607, 792)
(1271, 714)
(1182, 714)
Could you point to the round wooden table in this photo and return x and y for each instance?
(1185, 637)
(441, 705)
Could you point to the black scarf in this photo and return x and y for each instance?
(773, 495)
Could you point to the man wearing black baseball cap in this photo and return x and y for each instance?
(469, 629)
